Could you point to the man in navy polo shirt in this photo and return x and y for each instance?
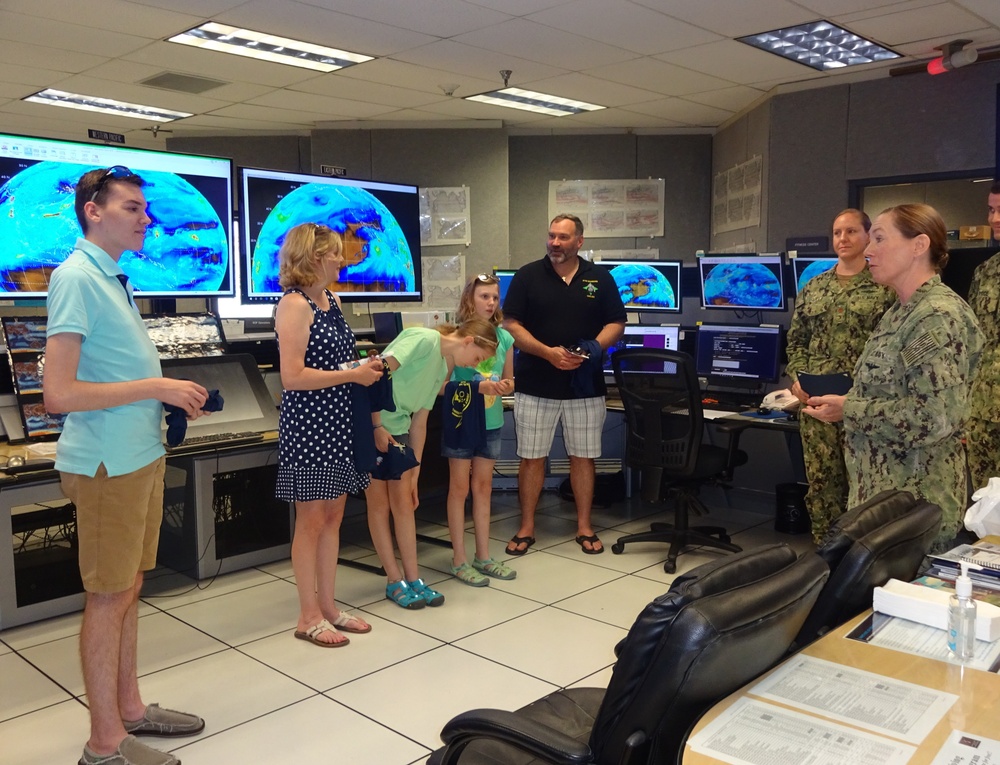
(555, 306)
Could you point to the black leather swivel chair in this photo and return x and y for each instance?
(663, 414)
(719, 626)
(885, 538)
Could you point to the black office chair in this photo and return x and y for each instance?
(718, 627)
(663, 414)
(885, 538)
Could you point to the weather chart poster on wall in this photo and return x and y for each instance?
(379, 224)
(187, 248)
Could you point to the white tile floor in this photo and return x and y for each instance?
(226, 651)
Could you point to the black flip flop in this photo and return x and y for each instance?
(592, 539)
(516, 540)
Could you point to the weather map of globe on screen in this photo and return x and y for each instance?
(647, 285)
(379, 223)
(186, 252)
(746, 282)
(806, 268)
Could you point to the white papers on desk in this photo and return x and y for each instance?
(921, 640)
(968, 749)
(714, 414)
(753, 732)
(875, 702)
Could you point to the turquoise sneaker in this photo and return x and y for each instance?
(494, 568)
(431, 597)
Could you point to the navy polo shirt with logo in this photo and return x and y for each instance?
(556, 313)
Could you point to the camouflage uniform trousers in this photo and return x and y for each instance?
(982, 444)
(823, 451)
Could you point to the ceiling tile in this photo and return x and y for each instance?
(455, 57)
(981, 38)
(293, 101)
(732, 99)
(519, 7)
(268, 114)
(537, 42)
(371, 92)
(111, 15)
(621, 118)
(736, 61)
(140, 94)
(425, 79)
(683, 111)
(60, 34)
(591, 89)
(987, 9)
(828, 9)
(909, 26)
(122, 70)
(209, 8)
(440, 18)
(318, 25)
(734, 18)
(659, 76)
(44, 57)
(625, 25)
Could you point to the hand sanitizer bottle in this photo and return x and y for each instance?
(962, 616)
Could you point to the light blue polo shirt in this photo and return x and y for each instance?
(86, 298)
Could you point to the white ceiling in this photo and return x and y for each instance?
(660, 65)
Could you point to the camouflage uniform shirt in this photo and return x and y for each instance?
(984, 299)
(903, 417)
(832, 321)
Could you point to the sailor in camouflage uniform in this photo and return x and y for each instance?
(903, 416)
(835, 313)
(983, 425)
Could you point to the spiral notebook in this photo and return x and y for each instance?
(985, 554)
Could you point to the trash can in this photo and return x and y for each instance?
(791, 516)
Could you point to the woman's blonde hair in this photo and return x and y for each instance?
(481, 331)
(304, 246)
(467, 303)
(915, 219)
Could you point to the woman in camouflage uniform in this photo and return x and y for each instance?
(903, 417)
(834, 315)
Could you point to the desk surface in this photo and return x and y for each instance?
(975, 711)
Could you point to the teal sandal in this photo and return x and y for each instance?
(403, 595)
(430, 597)
(494, 568)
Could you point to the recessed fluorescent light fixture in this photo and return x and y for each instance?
(821, 45)
(531, 101)
(281, 50)
(104, 105)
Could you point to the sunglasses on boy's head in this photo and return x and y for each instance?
(117, 172)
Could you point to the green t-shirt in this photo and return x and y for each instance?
(422, 371)
(491, 369)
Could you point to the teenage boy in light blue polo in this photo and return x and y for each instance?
(102, 368)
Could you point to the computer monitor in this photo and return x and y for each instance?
(806, 268)
(741, 282)
(738, 355)
(647, 285)
(637, 336)
(186, 252)
(379, 223)
(504, 275)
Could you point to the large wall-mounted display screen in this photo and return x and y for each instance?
(187, 252)
(742, 282)
(379, 222)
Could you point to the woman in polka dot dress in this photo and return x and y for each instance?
(316, 467)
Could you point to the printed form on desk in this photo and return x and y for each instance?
(754, 732)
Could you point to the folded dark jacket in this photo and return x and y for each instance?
(390, 465)
(365, 400)
(177, 422)
(463, 416)
(582, 380)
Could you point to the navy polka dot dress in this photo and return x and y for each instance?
(315, 441)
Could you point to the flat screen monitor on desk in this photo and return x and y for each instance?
(742, 356)
(249, 406)
(806, 268)
(647, 285)
(741, 282)
(645, 337)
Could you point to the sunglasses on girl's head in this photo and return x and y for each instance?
(116, 172)
(487, 279)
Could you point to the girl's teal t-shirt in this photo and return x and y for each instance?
(490, 369)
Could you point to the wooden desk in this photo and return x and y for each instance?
(977, 710)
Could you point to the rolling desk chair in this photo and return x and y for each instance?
(663, 414)
(718, 626)
(885, 538)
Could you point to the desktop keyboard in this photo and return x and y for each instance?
(730, 401)
(196, 443)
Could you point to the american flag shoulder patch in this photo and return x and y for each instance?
(919, 348)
